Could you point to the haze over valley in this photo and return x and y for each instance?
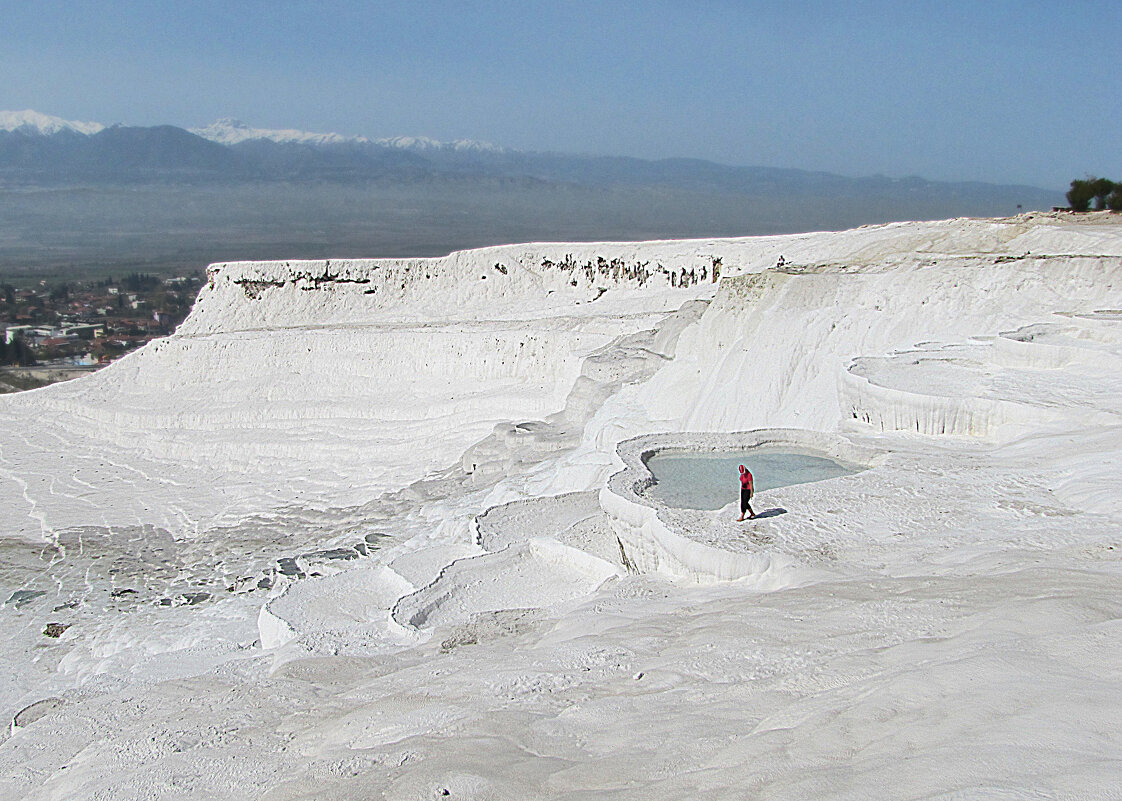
(79, 196)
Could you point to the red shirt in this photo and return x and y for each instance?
(746, 480)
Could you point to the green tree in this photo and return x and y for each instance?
(16, 352)
(1114, 202)
(1080, 194)
(1101, 187)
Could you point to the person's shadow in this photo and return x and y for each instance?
(775, 511)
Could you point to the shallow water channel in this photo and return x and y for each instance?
(712, 480)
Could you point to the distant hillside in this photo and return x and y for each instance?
(41, 148)
(79, 192)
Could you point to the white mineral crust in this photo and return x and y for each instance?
(375, 529)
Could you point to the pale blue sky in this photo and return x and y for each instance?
(1017, 92)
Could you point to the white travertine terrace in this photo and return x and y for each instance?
(369, 528)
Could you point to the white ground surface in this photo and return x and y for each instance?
(350, 533)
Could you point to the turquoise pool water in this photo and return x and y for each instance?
(712, 480)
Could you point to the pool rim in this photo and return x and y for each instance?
(743, 455)
(635, 478)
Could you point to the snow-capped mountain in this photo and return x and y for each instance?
(228, 131)
(423, 144)
(34, 122)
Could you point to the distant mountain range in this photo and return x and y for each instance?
(37, 148)
(81, 196)
(233, 132)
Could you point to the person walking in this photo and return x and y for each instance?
(746, 492)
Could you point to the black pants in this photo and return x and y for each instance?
(745, 498)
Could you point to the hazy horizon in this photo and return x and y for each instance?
(404, 136)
